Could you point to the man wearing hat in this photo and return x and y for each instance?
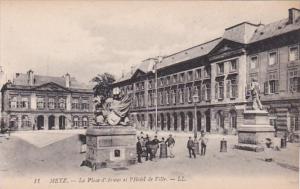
(170, 143)
(203, 141)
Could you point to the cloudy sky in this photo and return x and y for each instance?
(87, 38)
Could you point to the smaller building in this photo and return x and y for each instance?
(37, 102)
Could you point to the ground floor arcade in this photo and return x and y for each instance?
(46, 121)
(217, 119)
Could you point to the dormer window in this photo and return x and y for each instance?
(253, 62)
(150, 85)
(161, 82)
(233, 65)
(182, 77)
(175, 78)
(272, 58)
(198, 73)
(168, 80)
(220, 68)
(190, 75)
(293, 53)
(207, 72)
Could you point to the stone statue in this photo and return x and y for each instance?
(255, 90)
(112, 111)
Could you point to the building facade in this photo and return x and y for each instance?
(219, 72)
(36, 102)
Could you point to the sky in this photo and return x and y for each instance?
(86, 38)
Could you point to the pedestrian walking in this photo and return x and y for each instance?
(203, 140)
(191, 147)
(139, 150)
(170, 144)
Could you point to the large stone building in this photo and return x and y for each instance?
(35, 102)
(219, 71)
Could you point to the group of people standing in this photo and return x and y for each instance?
(191, 144)
(147, 148)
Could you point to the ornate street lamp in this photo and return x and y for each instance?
(157, 61)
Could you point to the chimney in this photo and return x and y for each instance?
(293, 15)
(67, 80)
(30, 77)
(131, 69)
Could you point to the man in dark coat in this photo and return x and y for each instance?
(191, 146)
(148, 149)
(139, 150)
(155, 143)
(170, 143)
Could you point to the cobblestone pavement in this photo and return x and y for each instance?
(56, 153)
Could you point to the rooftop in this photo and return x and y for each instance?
(21, 80)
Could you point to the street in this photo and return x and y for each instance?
(56, 153)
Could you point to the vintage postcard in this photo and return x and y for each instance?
(149, 94)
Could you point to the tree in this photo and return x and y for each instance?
(103, 85)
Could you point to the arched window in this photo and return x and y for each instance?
(25, 121)
(85, 121)
(75, 121)
(233, 119)
(220, 119)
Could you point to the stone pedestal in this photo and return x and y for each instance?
(254, 131)
(110, 146)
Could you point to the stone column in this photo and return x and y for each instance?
(178, 122)
(186, 122)
(203, 122)
(171, 122)
(32, 121)
(56, 122)
(165, 122)
(46, 122)
(19, 121)
(68, 122)
(213, 122)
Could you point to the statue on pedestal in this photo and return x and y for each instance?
(112, 111)
(255, 90)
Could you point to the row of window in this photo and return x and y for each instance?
(83, 122)
(182, 95)
(273, 58)
(231, 89)
(200, 73)
(271, 85)
(23, 103)
(233, 66)
(77, 121)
